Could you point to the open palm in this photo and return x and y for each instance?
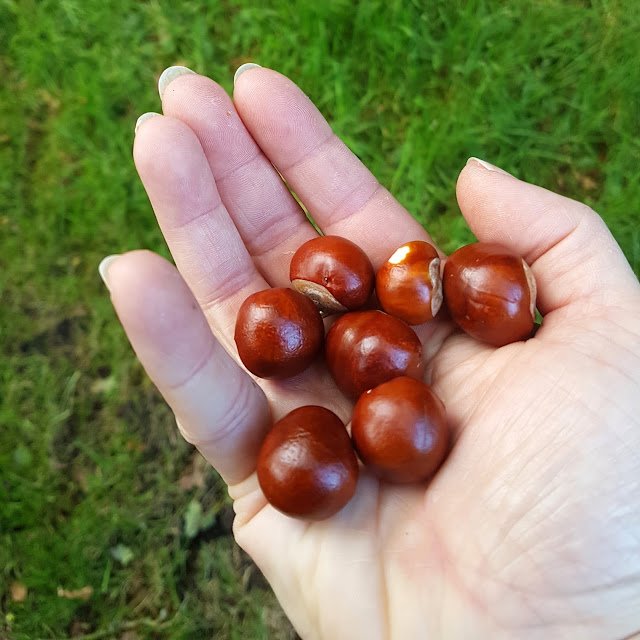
(532, 526)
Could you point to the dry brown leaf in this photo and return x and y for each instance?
(134, 445)
(79, 629)
(81, 477)
(194, 473)
(76, 594)
(586, 182)
(18, 592)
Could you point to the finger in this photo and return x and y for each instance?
(268, 218)
(572, 254)
(203, 240)
(217, 405)
(340, 193)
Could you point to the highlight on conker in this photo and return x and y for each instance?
(408, 284)
(307, 467)
(279, 333)
(400, 430)
(491, 293)
(366, 348)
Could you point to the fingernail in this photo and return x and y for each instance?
(488, 166)
(244, 67)
(169, 75)
(143, 118)
(103, 268)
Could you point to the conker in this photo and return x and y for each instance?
(279, 332)
(400, 430)
(408, 284)
(333, 272)
(491, 293)
(366, 348)
(307, 467)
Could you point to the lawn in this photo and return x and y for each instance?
(110, 526)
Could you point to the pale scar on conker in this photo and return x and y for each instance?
(333, 272)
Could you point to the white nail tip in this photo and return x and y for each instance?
(143, 118)
(488, 166)
(482, 163)
(103, 268)
(244, 67)
(169, 75)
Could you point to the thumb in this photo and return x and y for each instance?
(572, 254)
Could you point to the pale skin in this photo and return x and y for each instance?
(531, 529)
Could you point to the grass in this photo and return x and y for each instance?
(96, 488)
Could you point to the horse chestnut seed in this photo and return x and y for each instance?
(333, 272)
(491, 293)
(408, 284)
(400, 430)
(366, 348)
(307, 467)
(278, 333)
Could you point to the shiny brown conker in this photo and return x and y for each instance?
(400, 430)
(279, 332)
(491, 293)
(307, 467)
(408, 284)
(333, 272)
(366, 348)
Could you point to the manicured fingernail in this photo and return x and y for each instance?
(488, 166)
(242, 68)
(169, 75)
(143, 118)
(103, 268)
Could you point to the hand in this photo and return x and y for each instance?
(531, 529)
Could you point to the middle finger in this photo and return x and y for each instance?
(340, 193)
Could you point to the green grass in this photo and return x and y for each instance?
(90, 463)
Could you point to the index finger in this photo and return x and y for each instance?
(342, 196)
